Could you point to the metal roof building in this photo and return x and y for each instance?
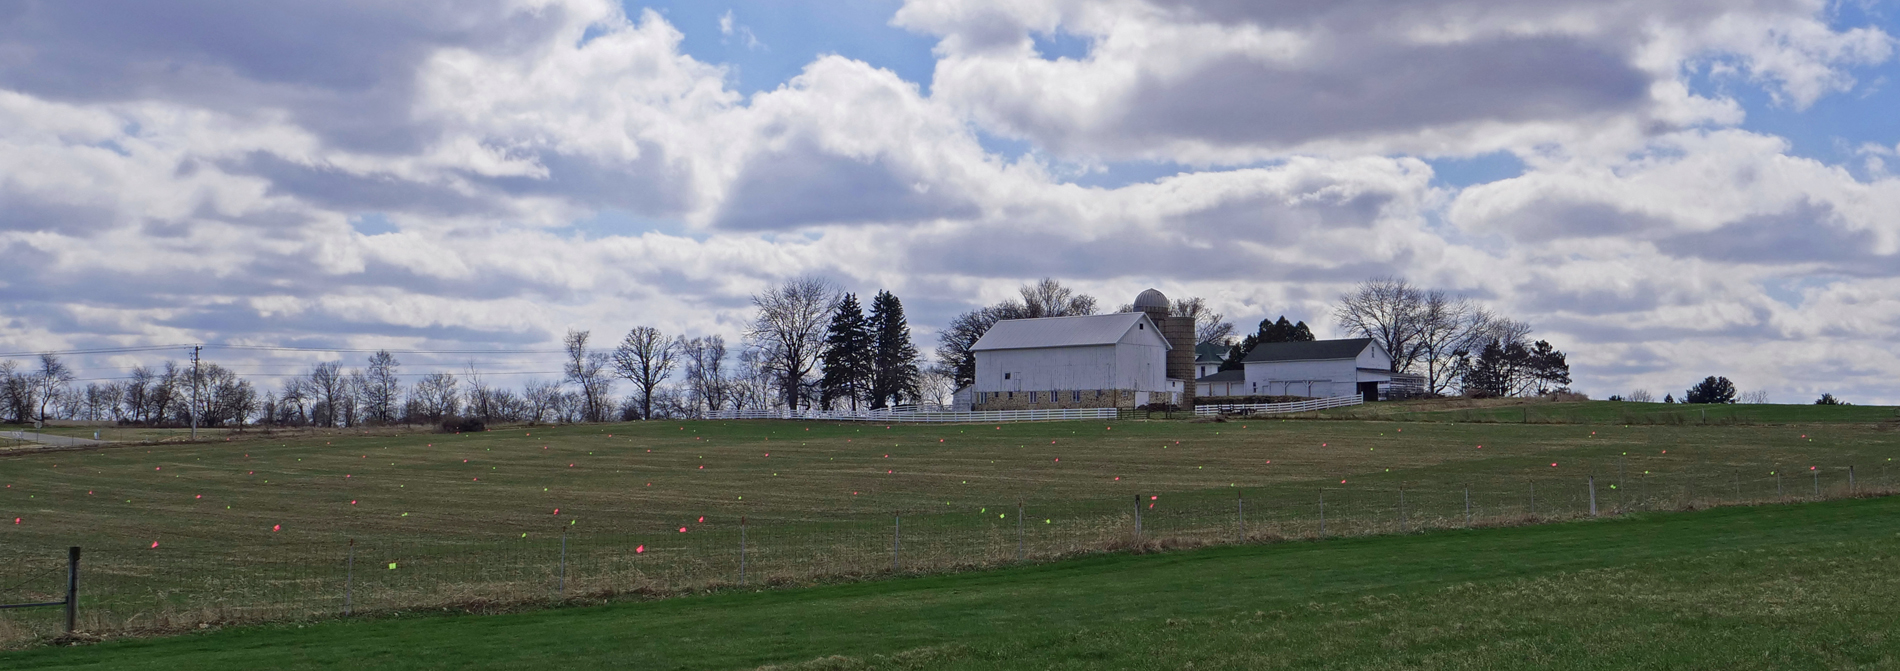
(1112, 360)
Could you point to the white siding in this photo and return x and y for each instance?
(1120, 366)
(1374, 357)
(1318, 379)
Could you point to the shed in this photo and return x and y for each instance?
(1325, 368)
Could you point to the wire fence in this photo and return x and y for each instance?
(926, 415)
(132, 588)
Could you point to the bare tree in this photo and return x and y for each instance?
(1048, 298)
(1209, 326)
(751, 387)
(789, 331)
(436, 396)
(540, 399)
(1642, 396)
(645, 358)
(480, 396)
(384, 390)
(588, 369)
(705, 376)
(326, 381)
(1388, 310)
(50, 381)
(935, 386)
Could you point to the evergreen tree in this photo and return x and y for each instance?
(894, 359)
(847, 355)
(1269, 331)
(1711, 390)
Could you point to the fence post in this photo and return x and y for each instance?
(1467, 506)
(1817, 481)
(1533, 498)
(72, 588)
(741, 550)
(1240, 518)
(1593, 496)
(563, 584)
(349, 577)
(897, 542)
(1850, 480)
(1402, 524)
(1019, 530)
(1322, 512)
(1137, 518)
(1738, 485)
(1778, 493)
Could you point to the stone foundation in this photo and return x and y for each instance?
(1040, 400)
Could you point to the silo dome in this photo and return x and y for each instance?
(1151, 300)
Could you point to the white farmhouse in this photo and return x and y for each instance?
(1098, 361)
(1326, 368)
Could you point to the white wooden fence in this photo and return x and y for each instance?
(914, 414)
(1279, 408)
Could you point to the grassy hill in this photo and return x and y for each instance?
(258, 527)
(1538, 411)
(1774, 587)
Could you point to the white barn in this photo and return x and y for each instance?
(1326, 368)
(1097, 361)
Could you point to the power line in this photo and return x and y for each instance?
(276, 348)
(271, 348)
(103, 350)
(282, 375)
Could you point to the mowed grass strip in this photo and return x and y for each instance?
(1772, 587)
(1535, 411)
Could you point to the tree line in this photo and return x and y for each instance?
(808, 345)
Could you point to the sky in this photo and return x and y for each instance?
(1665, 191)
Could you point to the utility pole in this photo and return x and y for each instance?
(194, 390)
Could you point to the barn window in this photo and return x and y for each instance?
(1011, 394)
(1076, 395)
(1143, 327)
(1006, 376)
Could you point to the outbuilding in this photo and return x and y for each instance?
(1326, 368)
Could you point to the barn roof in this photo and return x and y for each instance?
(1235, 375)
(1316, 350)
(1063, 331)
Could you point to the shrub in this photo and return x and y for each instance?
(463, 425)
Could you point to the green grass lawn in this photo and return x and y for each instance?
(1616, 412)
(1773, 587)
(256, 527)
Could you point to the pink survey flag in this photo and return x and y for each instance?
(276, 527)
(640, 549)
(154, 544)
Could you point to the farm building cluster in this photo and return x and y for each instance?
(1148, 358)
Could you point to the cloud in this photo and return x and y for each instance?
(1215, 82)
(202, 180)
